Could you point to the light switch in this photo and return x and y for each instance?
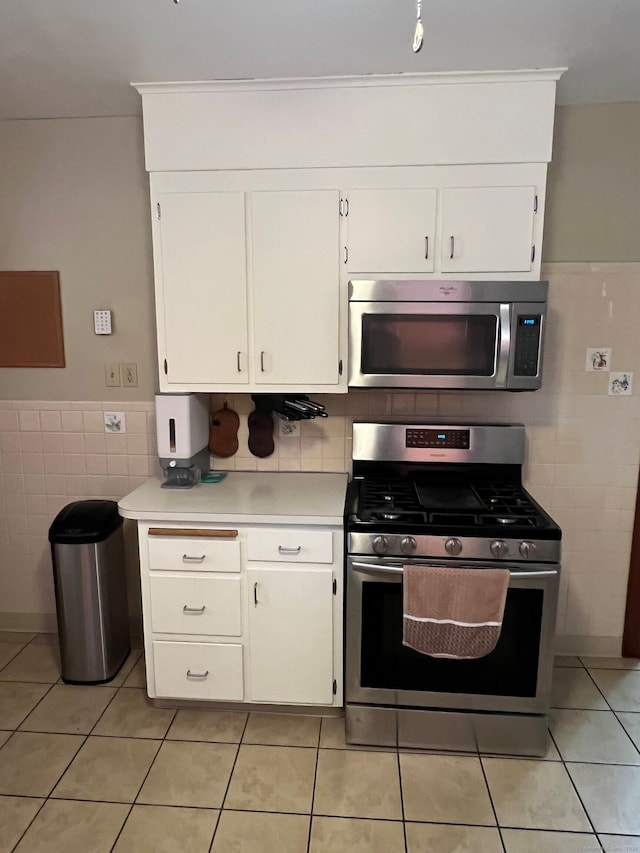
(112, 374)
(102, 322)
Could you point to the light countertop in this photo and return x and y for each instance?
(263, 497)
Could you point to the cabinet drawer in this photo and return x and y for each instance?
(198, 670)
(290, 545)
(195, 605)
(184, 553)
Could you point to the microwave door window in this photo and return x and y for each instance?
(444, 345)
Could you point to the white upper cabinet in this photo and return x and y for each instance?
(295, 284)
(247, 287)
(201, 288)
(391, 230)
(488, 229)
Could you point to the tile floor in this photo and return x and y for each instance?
(95, 769)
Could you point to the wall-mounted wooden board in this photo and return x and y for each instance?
(30, 320)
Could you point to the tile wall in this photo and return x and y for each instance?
(582, 466)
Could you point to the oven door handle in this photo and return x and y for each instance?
(504, 342)
(397, 570)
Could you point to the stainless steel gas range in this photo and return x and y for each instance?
(447, 495)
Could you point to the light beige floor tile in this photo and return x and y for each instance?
(631, 722)
(161, 829)
(621, 688)
(610, 794)
(215, 726)
(534, 795)
(16, 637)
(16, 813)
(272, 779)
(573, 688)
(567, 660)
(8, 652)
(32, 763)
(138, 675)
(438, 838)
(131, 715)
(107, 768)
(74, 826)
(445, 789)
(253, 832)
(189, 774)
(45, 640)
(530, 840)
(552, 754)
(17, 700)
(592, 736)
(611, 663)
(620, 843)
(68, 709)
(332, 736)
(282, 730)
(357, 784)
(40, 663)
(331, 834)
(123, 673)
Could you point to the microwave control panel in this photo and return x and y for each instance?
(527, 350)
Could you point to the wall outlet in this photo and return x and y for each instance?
(129, 373)
(102, 322)
(287, 429)
(112, 375)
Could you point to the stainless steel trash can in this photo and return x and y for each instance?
(87, 548)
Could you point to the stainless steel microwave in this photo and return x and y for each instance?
(474, 335)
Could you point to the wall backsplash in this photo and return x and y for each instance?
(583, 453)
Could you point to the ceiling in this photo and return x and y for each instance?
(78, 57)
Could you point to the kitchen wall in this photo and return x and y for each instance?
(73, 197)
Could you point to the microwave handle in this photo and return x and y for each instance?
(504, 343)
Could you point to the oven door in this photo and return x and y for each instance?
(514, 677)
(429, 344)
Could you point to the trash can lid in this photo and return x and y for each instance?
(84, 522)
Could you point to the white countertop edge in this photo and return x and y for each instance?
(238, 518)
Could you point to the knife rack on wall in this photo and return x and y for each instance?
(289, 407)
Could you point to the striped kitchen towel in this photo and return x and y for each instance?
(453, 613)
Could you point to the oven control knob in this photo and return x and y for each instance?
(380, 544)
(499, 548)
(408, 545)
(528, 550)
(453, 546)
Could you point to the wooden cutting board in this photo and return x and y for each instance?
(223, 432)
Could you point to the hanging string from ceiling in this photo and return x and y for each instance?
(419, 33)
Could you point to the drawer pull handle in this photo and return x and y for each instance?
(284, 550)
(186, 558)
(200, 675)
(197, 610)
(255, 594)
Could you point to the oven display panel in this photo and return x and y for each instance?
(456, 439)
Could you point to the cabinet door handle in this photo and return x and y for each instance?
(452, 245)
(262, 361)
(238, 361)
(200, 675)
(284, 550)
(186, 558)
(426, 247)
(255, 594)
(198, 611)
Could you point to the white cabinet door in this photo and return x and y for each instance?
(391, 230)
(487, 229)
(291, 635)
(202, 288)
(295, 287)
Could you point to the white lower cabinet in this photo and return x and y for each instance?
(252, 614)
(291, 635)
